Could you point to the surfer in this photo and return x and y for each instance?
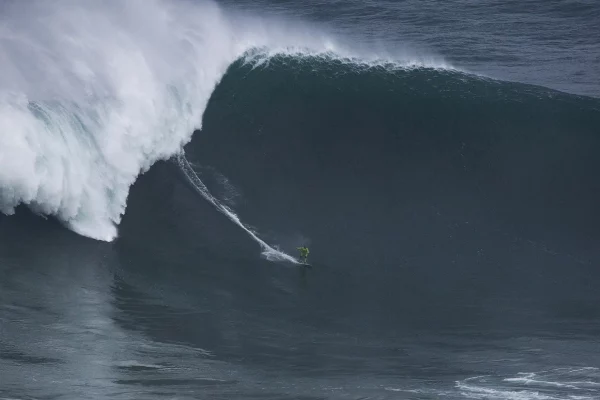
(303, 254)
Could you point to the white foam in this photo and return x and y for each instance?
(556, 384)
(93, 93)
(478, 392)
(530, 379)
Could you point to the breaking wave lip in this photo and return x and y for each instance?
(94, 93)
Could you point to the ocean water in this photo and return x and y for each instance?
(161, 161)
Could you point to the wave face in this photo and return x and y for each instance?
(92, 94)
(411, 156)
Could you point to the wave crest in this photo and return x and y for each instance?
(94, 93)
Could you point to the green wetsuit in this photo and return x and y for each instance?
(303, 253)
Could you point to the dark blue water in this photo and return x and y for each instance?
(439, 159)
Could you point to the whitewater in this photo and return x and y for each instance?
(93, 93)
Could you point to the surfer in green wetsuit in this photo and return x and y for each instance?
(303, 254)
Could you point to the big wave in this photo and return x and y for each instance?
(93, 93)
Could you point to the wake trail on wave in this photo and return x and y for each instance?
(92, 93)
(268, 252)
